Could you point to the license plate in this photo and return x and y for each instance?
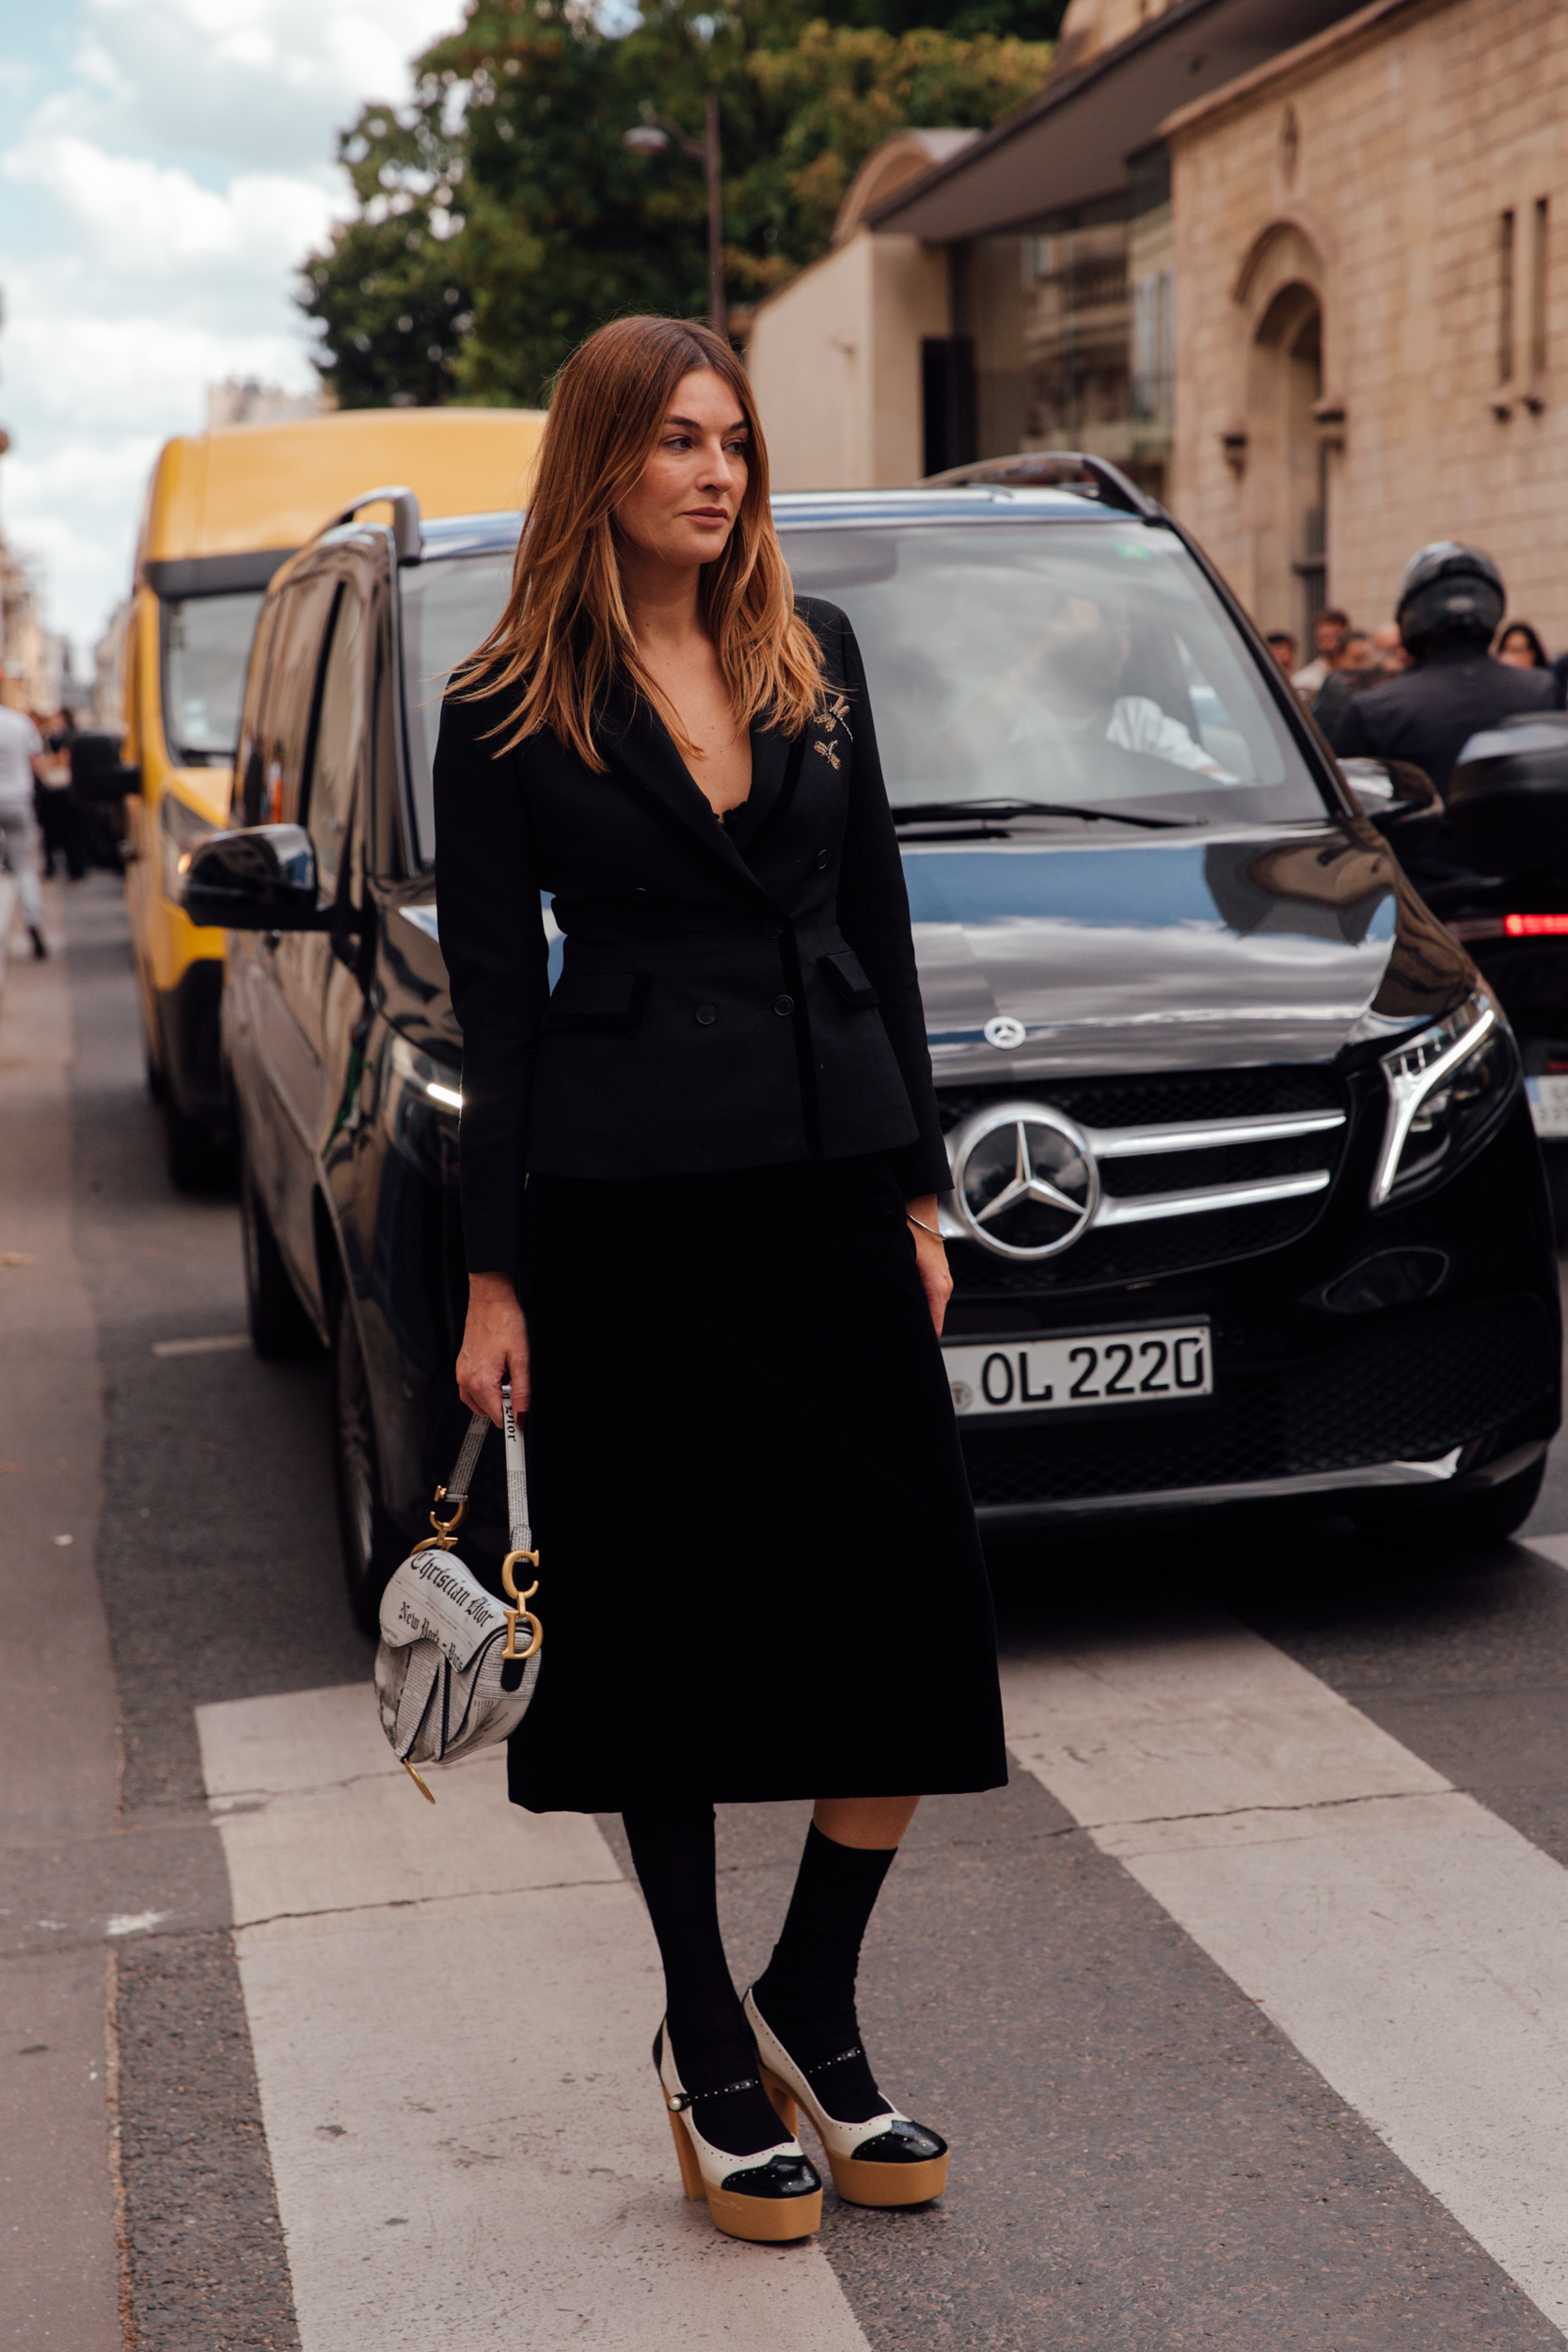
(1548, 1105)
(1138, 1367)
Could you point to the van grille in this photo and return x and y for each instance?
(1172, 1243)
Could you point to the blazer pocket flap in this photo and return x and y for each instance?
(608, 1001)
(848, 974)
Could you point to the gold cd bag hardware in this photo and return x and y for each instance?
(455, 1669)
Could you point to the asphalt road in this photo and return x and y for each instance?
(1244, 2006)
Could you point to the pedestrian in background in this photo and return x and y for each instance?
(57, 812)
(1283, 647)
(764, 1572)
(21, 757)
(1520, 647)
(1389, 655)
(1354, 667)
(1328, 633)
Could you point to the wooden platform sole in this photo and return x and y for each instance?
(761, 2220)
(857, 2182)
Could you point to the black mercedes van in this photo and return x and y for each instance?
(1246, 1204)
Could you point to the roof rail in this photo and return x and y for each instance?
(1052, 469)
(407, 535)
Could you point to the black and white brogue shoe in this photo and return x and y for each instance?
(887, 2159)
(770, 2196)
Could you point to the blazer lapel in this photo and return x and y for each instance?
(636, 740)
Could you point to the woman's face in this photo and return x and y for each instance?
(684, 508)
(1517, 651)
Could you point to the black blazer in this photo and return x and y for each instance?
(715, 1010)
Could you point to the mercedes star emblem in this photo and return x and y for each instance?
(1003, 1030)
(1025, 1181)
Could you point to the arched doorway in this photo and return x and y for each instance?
(1288, 462)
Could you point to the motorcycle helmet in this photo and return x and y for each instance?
(1449, 591)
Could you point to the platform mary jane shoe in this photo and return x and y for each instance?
(887, 2160)
(773, 2196)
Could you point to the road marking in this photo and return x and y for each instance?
(1412, 1946)
(228, 1343)
(451, 2013)
(134, 1922)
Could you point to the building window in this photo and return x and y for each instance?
(1538, 292)
(1153, 346)
(1505, 298)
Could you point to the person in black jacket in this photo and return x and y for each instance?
(1450, 602)
(700, 1193)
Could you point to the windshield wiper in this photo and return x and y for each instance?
(942, 812)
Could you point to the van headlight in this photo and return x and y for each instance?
(180, 832)
(1448, 1088)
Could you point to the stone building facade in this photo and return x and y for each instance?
(1370, 257)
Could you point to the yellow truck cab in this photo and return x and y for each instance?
(223, 511)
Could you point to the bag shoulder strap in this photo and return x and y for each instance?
(517, 1471)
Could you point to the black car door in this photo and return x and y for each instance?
(270, 1070)
(316, 994)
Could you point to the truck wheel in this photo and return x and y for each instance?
(1440, 1522)
(372, 1544)
(280, 1330)
(195, 1160)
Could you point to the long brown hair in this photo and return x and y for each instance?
(565, 631)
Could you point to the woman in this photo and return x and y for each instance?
(1521, 648)
(723, 1292)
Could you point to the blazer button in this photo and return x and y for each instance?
(783, 1004)
(708, 1014)
(772, 930)
(822, 861)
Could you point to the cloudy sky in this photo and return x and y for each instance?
(163, 166)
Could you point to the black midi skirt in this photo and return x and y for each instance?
(760, 1573)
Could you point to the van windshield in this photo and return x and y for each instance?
(1074, 663)
(1080, 664)
(206, 647)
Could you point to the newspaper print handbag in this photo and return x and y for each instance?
(454, 1668)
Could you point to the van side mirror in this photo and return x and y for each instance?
(1392, 793)
(261, 880)
(97, 771)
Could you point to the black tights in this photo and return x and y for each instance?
(807, 1993)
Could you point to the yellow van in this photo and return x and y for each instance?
(223, 511)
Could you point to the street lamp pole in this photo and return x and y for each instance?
(718, 312)
(653, 134)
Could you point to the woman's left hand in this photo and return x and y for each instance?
(930, 1256)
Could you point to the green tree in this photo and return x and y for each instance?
(391, 291)
(500, 218)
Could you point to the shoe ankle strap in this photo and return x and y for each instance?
(680, 2100)
(822, 2065)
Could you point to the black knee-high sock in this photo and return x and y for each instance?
(673, 1847)
(807, 1991)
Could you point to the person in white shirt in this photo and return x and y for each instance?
(21, 755)
(1066, 689)
(1329, 632)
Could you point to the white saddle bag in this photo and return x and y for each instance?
(455, 1669)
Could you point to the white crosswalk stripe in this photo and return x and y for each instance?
(1413, 1947)
(452, 2012)
(450, 2009)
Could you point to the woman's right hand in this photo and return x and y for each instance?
(495, 1348)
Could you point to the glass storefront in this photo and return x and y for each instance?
(1071, 325)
